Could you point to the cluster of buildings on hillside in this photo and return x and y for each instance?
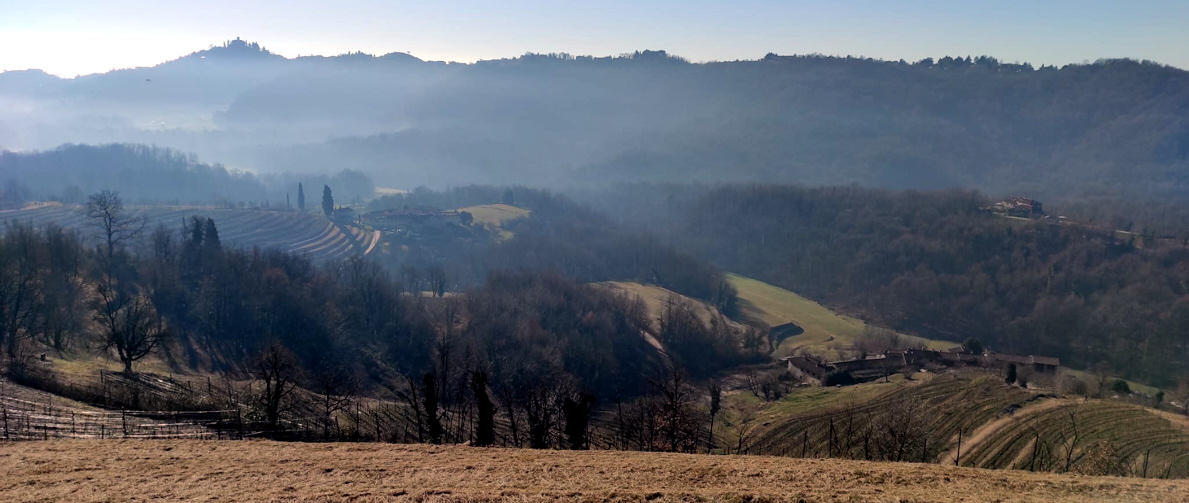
(899, 360)
(1017, 207)
(390, 221)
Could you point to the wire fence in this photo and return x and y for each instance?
(39, 418)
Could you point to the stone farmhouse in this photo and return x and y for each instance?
(899, 360)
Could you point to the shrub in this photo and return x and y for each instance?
(973, 346)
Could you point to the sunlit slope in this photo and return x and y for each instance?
(495, 216)
(825, 330)
(655, 298)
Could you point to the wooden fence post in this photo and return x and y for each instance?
(958, 456)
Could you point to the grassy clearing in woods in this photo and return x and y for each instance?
(495, 214)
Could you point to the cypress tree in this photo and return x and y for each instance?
(327, 201)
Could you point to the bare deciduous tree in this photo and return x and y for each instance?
(128, 323)
(18, 275)
(1069, 444)
(744, 429)
(436, 275)
(115, 224)
(338, 386)
(278, 369)
(900, 432)
(715, 392)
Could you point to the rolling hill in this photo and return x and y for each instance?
(303, 234)
(824, 331)
(1113, 126)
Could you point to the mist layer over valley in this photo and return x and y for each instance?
(1111, 127)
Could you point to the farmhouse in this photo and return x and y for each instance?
(898, 360)
(808, 365)
(871, 367)
(1042, 364)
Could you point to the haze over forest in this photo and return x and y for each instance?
(1109, 128)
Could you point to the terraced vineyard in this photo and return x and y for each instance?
(941, 406)
(1112, 438)
(1000, 426)
(289, 231)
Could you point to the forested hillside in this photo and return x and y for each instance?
(934, 264)
(141, 173)
(153, 175)
(561, 236)
(1103, 129)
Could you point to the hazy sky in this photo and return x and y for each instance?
(74, 37)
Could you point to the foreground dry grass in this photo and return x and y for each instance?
(94, 470)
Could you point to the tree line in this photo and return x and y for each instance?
(533, 352)
(153, 175)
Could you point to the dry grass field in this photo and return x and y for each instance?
(141, 470)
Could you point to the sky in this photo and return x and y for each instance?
(73, 37)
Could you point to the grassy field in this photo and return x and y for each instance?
(495, 214)
(824, 329)
(178, 470)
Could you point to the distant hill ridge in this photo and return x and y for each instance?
(1111, 127)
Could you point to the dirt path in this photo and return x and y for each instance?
(976, 438)
(1177, 419)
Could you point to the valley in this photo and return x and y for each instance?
(249, 274)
